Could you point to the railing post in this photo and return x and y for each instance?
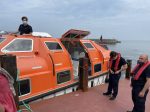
(83, 74)
(128, 71)
(8, 62)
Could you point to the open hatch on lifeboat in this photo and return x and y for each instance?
(71, 41)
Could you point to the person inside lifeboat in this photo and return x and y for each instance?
(25, 28)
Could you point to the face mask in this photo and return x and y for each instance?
(140, 63)
(114, 58)
(24, 22)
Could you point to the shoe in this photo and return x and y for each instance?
(112, 98)
(106, 94)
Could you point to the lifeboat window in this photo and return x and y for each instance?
(1, 40)
(63, 77)
(19, 45)
(24, 87)
(53, 45)
(88, 45)
(97, 67)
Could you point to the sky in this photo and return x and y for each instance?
(120, 19)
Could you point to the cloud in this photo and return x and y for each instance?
(138, 4)
(119, 18)
(67, 8)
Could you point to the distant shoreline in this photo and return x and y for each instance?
(106, 41)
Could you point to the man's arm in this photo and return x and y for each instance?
(111, 71)
(124, 67)
(16, 32)
(146, 86)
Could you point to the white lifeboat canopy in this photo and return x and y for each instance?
(41, 34)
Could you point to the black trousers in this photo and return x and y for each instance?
(139, 102)
(113, 84)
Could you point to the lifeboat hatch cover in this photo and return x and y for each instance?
(75, 34)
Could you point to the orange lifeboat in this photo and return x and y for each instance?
(49, 66)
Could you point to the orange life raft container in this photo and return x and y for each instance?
(49, 66)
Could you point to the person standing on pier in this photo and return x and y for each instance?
(140, 83)
(116, 66)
